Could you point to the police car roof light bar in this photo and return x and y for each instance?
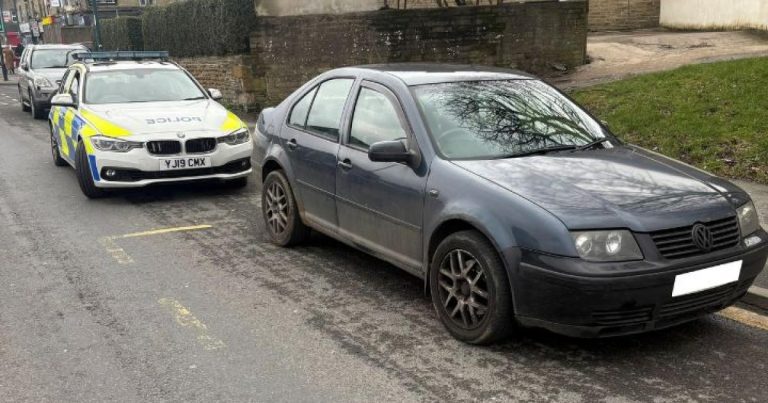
(122, 55)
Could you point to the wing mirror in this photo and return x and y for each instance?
(389, 151)
(215, 94)
(64, 100)
(25, 66)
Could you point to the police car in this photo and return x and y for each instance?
(132, 119)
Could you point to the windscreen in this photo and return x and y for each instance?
(500, 119)
(54, 58)
(140, 85)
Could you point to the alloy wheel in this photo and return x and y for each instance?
(463, 289)
(277, 208)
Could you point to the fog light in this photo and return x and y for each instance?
(752, 241)
(111, 173)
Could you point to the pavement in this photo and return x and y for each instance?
(174, 294)
(618, 55)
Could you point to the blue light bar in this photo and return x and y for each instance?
(122, 55)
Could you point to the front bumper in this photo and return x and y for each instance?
(601, 306)
(137, 168)
(42, 97)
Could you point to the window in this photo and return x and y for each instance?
(375, 120)
(301, 110)
(141, 85)
(328, 106)
(74, 88)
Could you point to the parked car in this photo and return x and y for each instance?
(134, 119)
(513, 203)
(40, 71)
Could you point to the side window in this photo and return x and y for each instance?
(375, 120)
(64, 81)
(328, 106)
(301, 110)
(73, 86)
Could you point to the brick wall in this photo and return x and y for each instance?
(610, 15)
(233, 75)
(533, 36)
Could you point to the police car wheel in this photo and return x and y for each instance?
(84, 176)
(281, 214)
(24, 107)
(55, 153)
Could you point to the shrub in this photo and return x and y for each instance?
(122, 33)
(200, 27)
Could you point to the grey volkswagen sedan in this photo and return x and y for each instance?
(513, 204)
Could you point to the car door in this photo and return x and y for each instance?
(24, 73)
(65, 119)
(312, 136)
(380, 205)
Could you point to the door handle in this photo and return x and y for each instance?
(292, 144)
(345, 165)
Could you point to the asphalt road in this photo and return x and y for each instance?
(218, 314)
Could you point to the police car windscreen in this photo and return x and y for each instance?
(144, 85)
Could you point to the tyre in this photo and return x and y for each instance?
(470, 289)
(238, 183)
(281, 214)
(84, 176)
(55, 151)
(37, 112)
(24, 107)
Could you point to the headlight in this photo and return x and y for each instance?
(43, 82)
(110, 144)
(239, 137)
(606, 246)
(748, 220)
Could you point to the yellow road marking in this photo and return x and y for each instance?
(746, 317)
(115, 251)
(185, 319)
(165, 231)
(119, 253)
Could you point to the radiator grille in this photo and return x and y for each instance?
(199, 146)
(677, 243)
(167, 147)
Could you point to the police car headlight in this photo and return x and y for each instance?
(119, 146)
(43, 82)
(239, 137)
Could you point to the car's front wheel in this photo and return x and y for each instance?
(37, 111)
(84, 174)
(24, 107)
(470, 290)
(281, 213)
(55, 151)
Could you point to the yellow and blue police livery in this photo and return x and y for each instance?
(132, 119)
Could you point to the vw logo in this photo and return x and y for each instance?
(702, 237)
(181, 135)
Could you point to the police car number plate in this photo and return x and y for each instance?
(174, 164)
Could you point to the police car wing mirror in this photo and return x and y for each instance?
(64, 100)
(215, 94)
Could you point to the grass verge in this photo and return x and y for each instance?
(713, 116)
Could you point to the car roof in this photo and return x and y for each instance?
(129, 65)
(428, 73)
(43, 47)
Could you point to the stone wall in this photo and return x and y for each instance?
(233, 75)
(533, 36)
(612, 15)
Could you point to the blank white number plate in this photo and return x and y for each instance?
(706, 279)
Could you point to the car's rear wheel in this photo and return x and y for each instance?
(281, 213)
(84, 175)
(470, 289)
(24, 107)
(55, 151)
